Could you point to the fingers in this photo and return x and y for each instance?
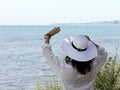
(57, 28)
(87, 37)
(55, 31)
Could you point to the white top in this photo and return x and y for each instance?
(70, 78)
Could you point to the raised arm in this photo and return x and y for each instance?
(101, 55)
(52, 59)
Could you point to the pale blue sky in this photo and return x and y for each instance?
(37, 12)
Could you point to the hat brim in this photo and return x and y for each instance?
(88, 54)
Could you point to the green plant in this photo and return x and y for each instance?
(108, 78)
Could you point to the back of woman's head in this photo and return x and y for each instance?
(81, 67)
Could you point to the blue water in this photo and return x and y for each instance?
(21, 61)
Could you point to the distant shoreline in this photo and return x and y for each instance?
(95, 23)
(85, 25)
(100, 23)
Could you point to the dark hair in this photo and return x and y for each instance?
(81, 67)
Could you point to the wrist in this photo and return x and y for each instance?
(48, 35)
(47, 38)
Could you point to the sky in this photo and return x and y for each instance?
(44, 12)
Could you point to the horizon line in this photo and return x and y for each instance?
(91, 22)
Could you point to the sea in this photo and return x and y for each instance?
(21, 60)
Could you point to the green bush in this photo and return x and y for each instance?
(108, 78)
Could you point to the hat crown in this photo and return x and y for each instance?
(81, 42)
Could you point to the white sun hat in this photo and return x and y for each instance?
(79, 48)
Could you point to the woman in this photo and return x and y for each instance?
(83, 60)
